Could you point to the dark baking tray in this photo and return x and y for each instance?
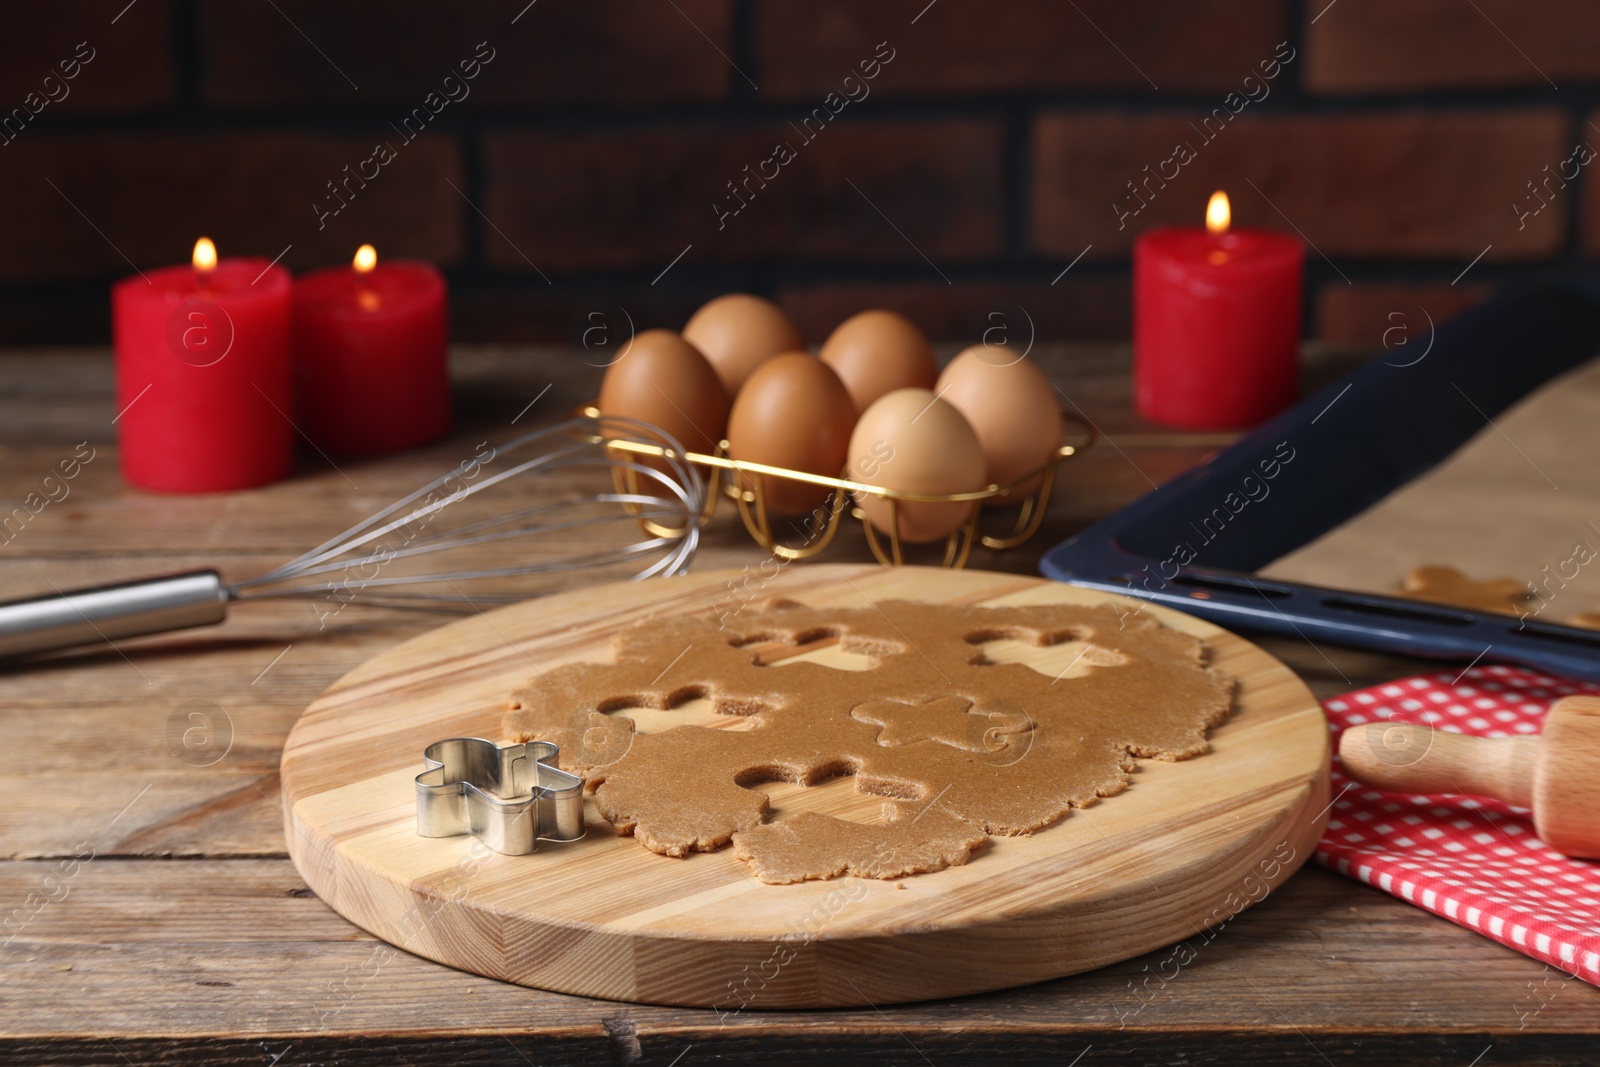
(1352, 444)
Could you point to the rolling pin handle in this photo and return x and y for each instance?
(1404, 757)
(108, 612)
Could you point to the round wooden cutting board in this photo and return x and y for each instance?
(1185, 847)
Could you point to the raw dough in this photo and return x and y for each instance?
(1446, 585)
(961, 747)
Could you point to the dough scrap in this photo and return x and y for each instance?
(960, 747)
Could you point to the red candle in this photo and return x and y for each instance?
(1216, 323)
(204, 384)
(372, 371)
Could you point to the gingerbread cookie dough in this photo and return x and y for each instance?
(1446, 585)
(960, 747)
(1585, 620)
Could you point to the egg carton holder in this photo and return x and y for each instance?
(823, 522)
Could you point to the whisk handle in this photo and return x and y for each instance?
(127, 609)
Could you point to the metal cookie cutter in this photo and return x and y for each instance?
(510, 798)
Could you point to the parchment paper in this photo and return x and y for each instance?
(1520, 500)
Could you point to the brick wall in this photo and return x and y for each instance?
(952, 158)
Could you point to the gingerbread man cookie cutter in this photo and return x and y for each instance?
(510, 797)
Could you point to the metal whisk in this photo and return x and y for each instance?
(383, 560)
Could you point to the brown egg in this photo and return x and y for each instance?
(738, 332)
(661, 379)
(792, 412)
(877, 352)
(912, 440)
(1012, 408)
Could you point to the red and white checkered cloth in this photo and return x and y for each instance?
(1478, 863)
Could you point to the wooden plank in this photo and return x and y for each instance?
(1320, 959)
(1365, 977)
(231, 806)
(99, 514)
(103, 531)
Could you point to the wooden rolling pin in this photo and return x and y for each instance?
(1557, 774)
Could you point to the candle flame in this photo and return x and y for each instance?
(205, 255)
(366, 259)
(1218, 215)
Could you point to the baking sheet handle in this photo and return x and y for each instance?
(1315, 614)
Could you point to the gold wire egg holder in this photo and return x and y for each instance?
(723, 476)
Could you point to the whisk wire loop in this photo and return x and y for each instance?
(671, 499)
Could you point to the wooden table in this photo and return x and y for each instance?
(189, 937)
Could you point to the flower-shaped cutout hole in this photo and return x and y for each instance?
(822, 646)
(834, 791)
(1071, 657)
(689, 706)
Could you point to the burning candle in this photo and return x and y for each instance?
(203, 376)
(1216, 323)
(371, 357)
